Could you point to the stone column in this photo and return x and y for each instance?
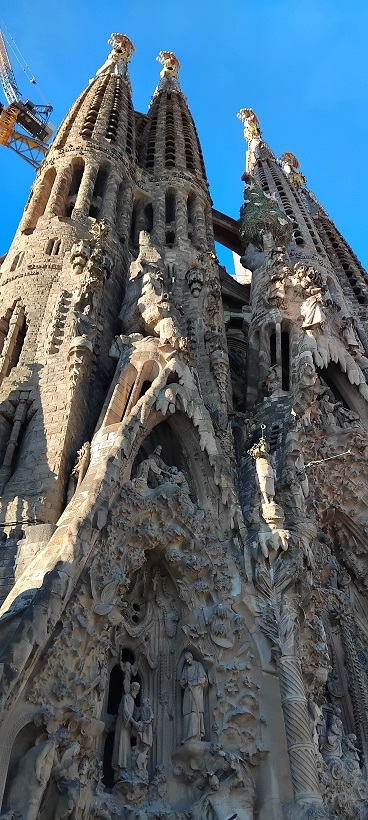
(59, 193)
(181, 216)
(298, 733)
(109, 204)
(124, 211)
(85, 193)
(159, 218)
(199, 225)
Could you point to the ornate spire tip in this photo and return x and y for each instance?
(123, 47)
(251, 124)
(170, 64)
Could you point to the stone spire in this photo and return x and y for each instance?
(170, 139)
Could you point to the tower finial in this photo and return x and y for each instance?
(170, 64)
(290, 166)
(123, 47)
(251, 124)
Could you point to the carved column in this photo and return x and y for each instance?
(298, 734)
(199, 225)
(85, 193)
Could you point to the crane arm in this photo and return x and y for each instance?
(7, 77)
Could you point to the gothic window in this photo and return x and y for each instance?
(170, 217)
(39, 200)
(77, 174)
(17, 260)
(14, 329)
(98, 191)
(53, 247)
(190, 213)
(148, 214)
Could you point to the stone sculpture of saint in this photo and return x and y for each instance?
(194, 681)
(126, 726)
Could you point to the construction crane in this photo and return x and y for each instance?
(30, 142)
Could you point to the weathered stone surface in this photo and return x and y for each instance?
(184, 504)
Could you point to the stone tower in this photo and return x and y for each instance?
(183, 627)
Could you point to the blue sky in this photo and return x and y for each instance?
(302, 65)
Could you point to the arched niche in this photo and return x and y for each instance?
(26, 739)
(173, 452)
(343, 391)
(114, 697)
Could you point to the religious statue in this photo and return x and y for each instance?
(30, 781)
(126, 725)
(265, 471)
(194, 681)
(331, 737)
(145, 735)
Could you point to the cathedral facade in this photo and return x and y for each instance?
(183, 479)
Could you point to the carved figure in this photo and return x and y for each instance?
(125, 724)
(194, 681)
(265, 471)
(145, 735)
(79, 470)
(152, 471)
(79, 255)
(312, 309)
(33, 774)
(331, 737)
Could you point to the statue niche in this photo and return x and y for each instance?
(127, 748)
(161, 461)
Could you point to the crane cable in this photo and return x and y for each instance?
(19, 57)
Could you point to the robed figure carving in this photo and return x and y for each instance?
(126, 726)
(194, 681)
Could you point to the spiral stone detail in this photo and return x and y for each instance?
(299, 741)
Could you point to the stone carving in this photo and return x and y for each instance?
(153, 472)
(195, 279)
(31, 779)
(145, 734)
(125, 725)
(194, 681)
(265, 471)
(79, 470)
(261, 216)
(79, 256)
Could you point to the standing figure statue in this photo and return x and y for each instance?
(265, 471)
(145, 735)
(194, 681)
(126, 726)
